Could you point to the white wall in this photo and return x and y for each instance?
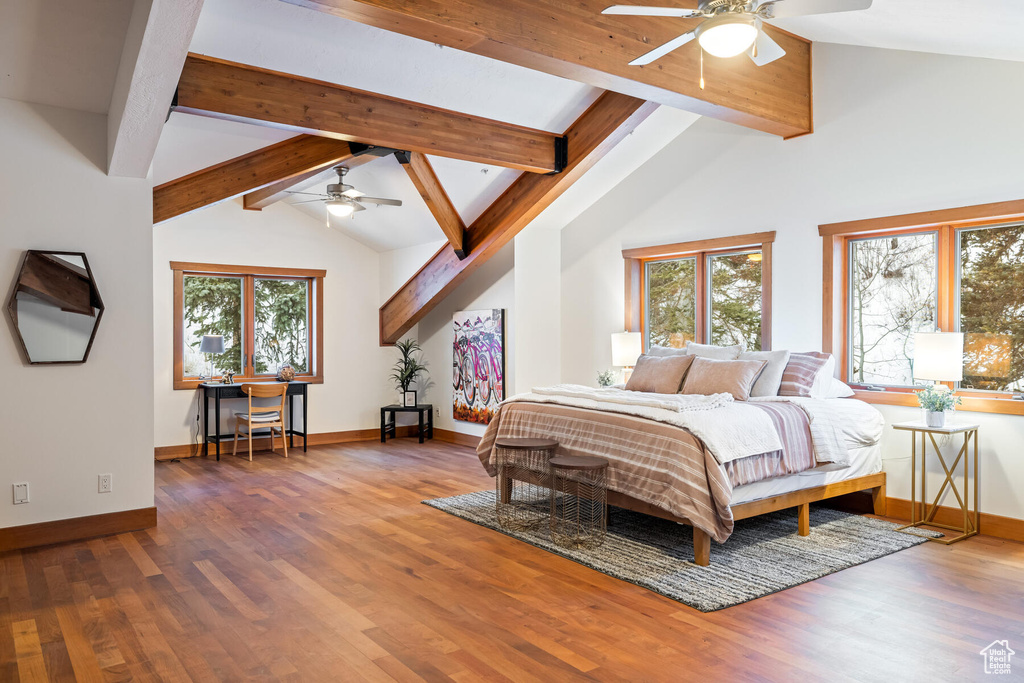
(895, 132)
(355, 367)
(538, 256)
(64, 425)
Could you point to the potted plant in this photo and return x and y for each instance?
(936, 399)
(407, 370)
(606, 378)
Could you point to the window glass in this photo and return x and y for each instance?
(893, 294)
(282, 330)
(734, 299)
(991, 307)
(671, 296)
(212, 305)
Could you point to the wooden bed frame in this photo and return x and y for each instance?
(800, 499)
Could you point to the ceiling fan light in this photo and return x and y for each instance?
(339, 208)
(727, 35)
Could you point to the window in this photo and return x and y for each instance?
(956, 270)
(710, 291)
(893, 294)
(268, 318)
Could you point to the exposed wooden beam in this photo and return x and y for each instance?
(227, 90)
(257, 200)
(574, 40)
(609, 119)
(423, 177)
(287, 159)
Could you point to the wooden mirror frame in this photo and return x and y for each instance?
(12, 311)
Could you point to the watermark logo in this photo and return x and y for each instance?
(997, 657)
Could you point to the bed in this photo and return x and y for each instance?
(660, 465)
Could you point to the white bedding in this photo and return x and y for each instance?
(730, 429)
(861, 428)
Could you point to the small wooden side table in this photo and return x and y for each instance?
(387, 420)
(971, 522)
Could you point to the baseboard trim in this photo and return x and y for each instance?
(263, 443)
(76, 528)
(457, 438)
(996, 526)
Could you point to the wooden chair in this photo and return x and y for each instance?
(258, 417)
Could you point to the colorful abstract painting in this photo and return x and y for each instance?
(478, 364)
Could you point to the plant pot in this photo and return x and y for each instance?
(935, 418)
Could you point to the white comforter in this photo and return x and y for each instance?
(730, 429)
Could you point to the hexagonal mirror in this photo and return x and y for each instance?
(55, 307)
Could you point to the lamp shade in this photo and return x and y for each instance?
(939, 356)
(626, 348)
(212, 343)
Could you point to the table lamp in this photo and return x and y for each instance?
(939, 356)
(211, 344)
(626, 348)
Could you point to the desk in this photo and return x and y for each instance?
(387, 420)
(218, 391)
(971, 522)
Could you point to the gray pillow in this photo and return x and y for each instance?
(662, 351)
(768, 381)
(714, 352)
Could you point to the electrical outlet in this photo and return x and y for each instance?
(20, 493)
(437, 412)
(106, 485)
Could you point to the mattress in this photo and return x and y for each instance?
(861, 427)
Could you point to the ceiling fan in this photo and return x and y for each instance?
(343, 200)
(730, 27)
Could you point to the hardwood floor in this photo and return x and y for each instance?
(326, 567)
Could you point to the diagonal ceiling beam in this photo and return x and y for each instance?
(574, 40)
(257, 200)
(213, 87)
(609, 119)
(423, 177)
(287, 159)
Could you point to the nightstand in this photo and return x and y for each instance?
(971, 521)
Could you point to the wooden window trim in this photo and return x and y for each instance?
(835, 285)
(249, 275)
(636, 260)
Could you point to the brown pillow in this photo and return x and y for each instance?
(736, 377)
(659, 375)
(801, 370)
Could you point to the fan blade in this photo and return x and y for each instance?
(634, 11)
(382, 202)
(352, 192)
(663, 50)
(356, 206)
(305, 201)
(765, 50)
(781, 9)
(311, 194)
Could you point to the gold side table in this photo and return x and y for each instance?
(971, 522)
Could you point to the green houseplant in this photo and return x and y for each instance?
(407, 368)
(936, 399)
(606, 378)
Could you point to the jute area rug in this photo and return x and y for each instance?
(764, 555)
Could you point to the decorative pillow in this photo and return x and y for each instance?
(823, 380)
(768, 382)
(661, 351)
(659, 375)
(716, 352)
(710, 376)
(838, 389)
(801, 372)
